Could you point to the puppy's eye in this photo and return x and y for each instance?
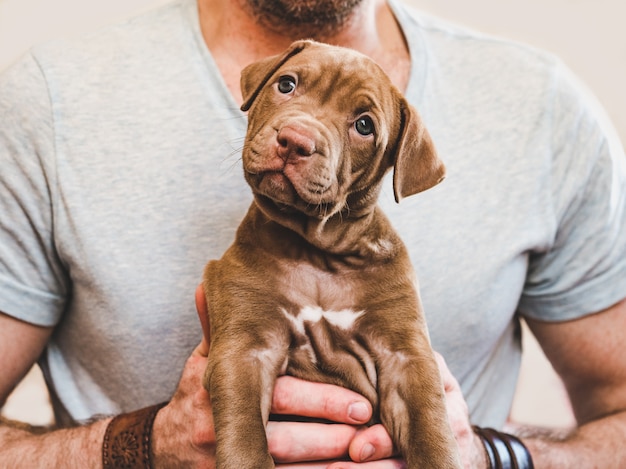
(286, 84)
(364, 126)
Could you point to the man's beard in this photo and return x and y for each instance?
(315, 19)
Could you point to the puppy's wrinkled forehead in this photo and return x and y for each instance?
(325, 74)
(344, 73)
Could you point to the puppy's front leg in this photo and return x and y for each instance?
(240, 379)
(412, 405)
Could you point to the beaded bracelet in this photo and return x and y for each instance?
(126, 442)
(504, 451)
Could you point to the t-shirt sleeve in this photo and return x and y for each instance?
(33, 284)
(583, 271)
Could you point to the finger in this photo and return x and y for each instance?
(456, 405)
(293, 396)
(384, 464)
(202, 350)
(449, 381)
(304, 465)
(299, 441)
(202, 310)
(370, 444)
(458, 415)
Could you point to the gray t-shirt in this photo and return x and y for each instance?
(120, 177)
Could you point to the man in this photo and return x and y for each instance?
(118, 161)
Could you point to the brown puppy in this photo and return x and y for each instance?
(317, 284)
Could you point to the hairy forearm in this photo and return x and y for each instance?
(599, 443)
(78, 447)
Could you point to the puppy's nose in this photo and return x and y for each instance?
(294, 142)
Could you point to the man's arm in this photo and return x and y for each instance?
(71, 448)
(588, 355)
(20, 346)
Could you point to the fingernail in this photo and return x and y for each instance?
(367, 452)
(359, 411)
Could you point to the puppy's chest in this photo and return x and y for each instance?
(316, 293)
(325, 312)
(313, 299)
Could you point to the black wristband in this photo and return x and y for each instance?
(504, 451)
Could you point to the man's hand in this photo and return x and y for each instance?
(183, 433)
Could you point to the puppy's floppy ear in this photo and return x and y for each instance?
(417, 166)
(256, 75)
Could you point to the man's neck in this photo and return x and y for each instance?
(236, 38)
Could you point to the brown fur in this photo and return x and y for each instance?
(314, 237)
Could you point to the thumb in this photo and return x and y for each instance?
(203, 315)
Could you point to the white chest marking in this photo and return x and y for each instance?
(343, 319)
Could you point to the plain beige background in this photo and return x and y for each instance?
(587, 34)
